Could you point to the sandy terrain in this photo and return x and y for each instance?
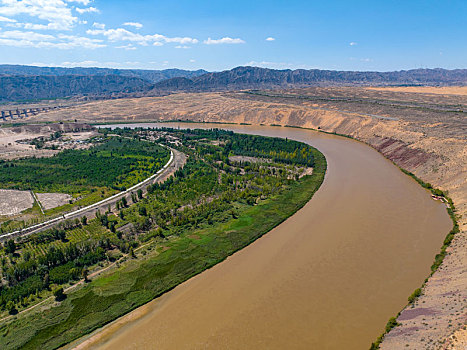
(10, 148)
(421, 132)
(13, 202)
(443, 90)
(457, 341)
(52, 200)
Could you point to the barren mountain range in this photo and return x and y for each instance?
(29, 83)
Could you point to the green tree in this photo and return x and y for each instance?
(124, 202)
(10, 246)
(11, 307)
(46, 281)
(85, 274)
(59, 294)
(142, 211)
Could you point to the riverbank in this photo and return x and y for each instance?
(139, 281)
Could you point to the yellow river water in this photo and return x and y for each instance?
(329, 277)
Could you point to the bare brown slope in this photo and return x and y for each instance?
(425, 139)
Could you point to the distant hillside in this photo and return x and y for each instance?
(28, 82)
(153, 76)
(16, 88)
(261, 78)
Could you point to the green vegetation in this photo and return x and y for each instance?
(389, 326)
(211, 208)
(115, 162)
(111, 165)
(417, 292)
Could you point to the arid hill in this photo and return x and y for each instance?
(31, 83)
(263, 78)
(15, 88)
(152, 76)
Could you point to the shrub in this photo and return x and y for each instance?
(59, 294)
(391, 324)
(415, 295)
(11, 307)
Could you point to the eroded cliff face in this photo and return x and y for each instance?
(421, 138)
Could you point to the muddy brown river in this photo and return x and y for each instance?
(329, 277)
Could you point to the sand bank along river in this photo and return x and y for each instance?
(327, 278)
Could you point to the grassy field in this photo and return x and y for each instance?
(138, 281)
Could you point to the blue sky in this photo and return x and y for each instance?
(217, 35)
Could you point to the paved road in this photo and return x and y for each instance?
(176, 161)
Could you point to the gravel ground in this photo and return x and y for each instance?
(13, 202)
(52, 200)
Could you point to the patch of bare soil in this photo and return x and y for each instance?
(248, 159)
(457, 341)
(441, 90)
(14, 141)
(13, 202)
(423, 130)
(53, 200)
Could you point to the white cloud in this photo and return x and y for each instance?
(121, 34)
(352, 43)
(80, 64)
(98, 25)
(82, 2)
(5, 19)
(270, 38)
(182, 47)
(56, 13)
(72, 41)
(35, 26)
(32, 36)
(179, 40)
(87, 9)
(37, 40)
(192, 61)
(225, 40)
(278, 65)
(126, 47)
(133, 24)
